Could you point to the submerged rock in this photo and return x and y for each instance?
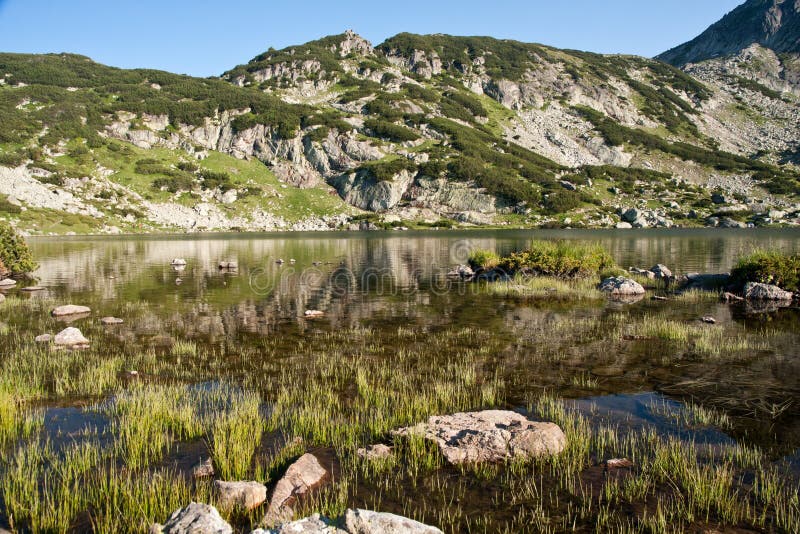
(704, 281)
(244, 495)
(369, 522)
(756, 291)
(619, 285)
(70, 337)
(195, 518)
(70, 309)
(306, 474)
(489, 436)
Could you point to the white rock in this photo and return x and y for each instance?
(44, 338)
(70, 337)
(315, 524)
(8, 282)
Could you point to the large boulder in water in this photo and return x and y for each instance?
(619, 285)
(306, 474)
(489, 436)
(757, 291)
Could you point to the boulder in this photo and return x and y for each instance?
(242, 495)
(756, 291)
(661, 272)
(8, 282)
(70, 309)
(70, 337)
(44, 338)
(619, 285)
(489, 436)
(111, 320)
(306, 474)
(315, 524)
(375, 452)
(369, 522)
(196, 518)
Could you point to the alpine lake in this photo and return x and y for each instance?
(226, 364)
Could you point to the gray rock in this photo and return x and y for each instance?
(619, 285)
(569, 186)
(727, 222)
(375, 452)
(243, 495)
(70, 309)
(464, 272)
(489, 436)
(718, 198)
(315, 524)
(70, 337)
(756, 291)
(33, 289)
(661, 271)
(196, 518)
(44, 338)
(369, 522)
(306, 474)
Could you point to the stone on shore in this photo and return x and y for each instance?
(369, 522)
(756, 291)
(306, 474)
(196, 518)
(489, 436)
(242, 495)
(70, 309)
(70, 337)
(619, 285)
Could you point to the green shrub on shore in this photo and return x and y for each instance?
(483, 259)
(15, 256)
(769, 267)
(561, 259)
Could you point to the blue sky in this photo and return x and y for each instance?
(205, 38)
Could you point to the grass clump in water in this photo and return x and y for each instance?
(769, 267)
(560, 259)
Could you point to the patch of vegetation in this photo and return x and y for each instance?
(389, 130)
(752, 85)
(769, 267)
(386, 169)
(483, 259)
(15, 256)
(562, 259)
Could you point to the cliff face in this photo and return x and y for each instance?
(774, 24)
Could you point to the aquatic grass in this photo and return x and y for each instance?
(235, 435)
(690, 414)
(546, 287)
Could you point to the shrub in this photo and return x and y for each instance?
(391, 131)
(559, 258)
(15, 256)
(387, 169)
(483, 259)
(769, 267)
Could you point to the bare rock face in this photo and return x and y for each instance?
(70, 337)
(489, 436)
(306, 474)
(244, 495)
(70, 309)
(756, 291)
(369, 522)
(196, 518)
(619, 285)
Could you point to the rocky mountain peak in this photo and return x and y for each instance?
(353, 44)
(774, 24)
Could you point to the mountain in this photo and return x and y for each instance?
(773, 24)
(419, 130)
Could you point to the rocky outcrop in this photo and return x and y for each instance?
(619, 285)
(489, 436)
(756, 291)
(362, 190)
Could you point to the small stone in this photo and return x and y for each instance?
(44, 338)
(132, 373)
(314, 313)
(618, 463)
(204, 469)
(70, 337)
(8, 282)
(242, 495)
(708, 320)
(375, 452)
(111, 320)
(69, 309)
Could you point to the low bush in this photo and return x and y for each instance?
(563, 259)
(769, 267)
(15, 256)
(483, 259)
(385, 170)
